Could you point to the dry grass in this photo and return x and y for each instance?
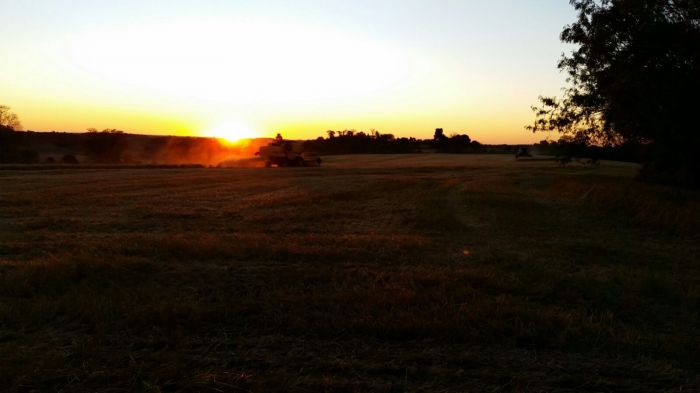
(377, 273)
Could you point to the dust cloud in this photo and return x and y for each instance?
(203, 151)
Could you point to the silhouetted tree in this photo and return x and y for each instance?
(9, 120)
(456, 143)
(634, 78)
(461, 140)
(439, 135)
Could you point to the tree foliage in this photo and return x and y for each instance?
(9, 120)
(633, 77)
(361, 142)
(455, 143)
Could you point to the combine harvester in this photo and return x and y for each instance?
(283, 153)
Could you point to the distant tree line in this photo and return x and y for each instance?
(375, 142)
(361, 142)
(113, 146)
(110, 147)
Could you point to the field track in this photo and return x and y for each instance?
(392, 273)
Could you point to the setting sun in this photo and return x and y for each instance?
(232, 131)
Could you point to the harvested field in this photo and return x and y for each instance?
(405, 273)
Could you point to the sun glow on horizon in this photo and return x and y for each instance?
(232, 131)
(177, 68)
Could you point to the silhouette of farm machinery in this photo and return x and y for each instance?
(283, 153)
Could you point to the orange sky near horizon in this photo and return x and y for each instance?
(241, 69)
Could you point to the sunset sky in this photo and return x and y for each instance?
(254, 68)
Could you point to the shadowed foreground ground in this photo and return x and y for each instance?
(372, 273)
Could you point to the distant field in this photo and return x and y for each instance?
(386, 273)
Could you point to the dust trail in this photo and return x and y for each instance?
(249, 162)
(204, 151)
